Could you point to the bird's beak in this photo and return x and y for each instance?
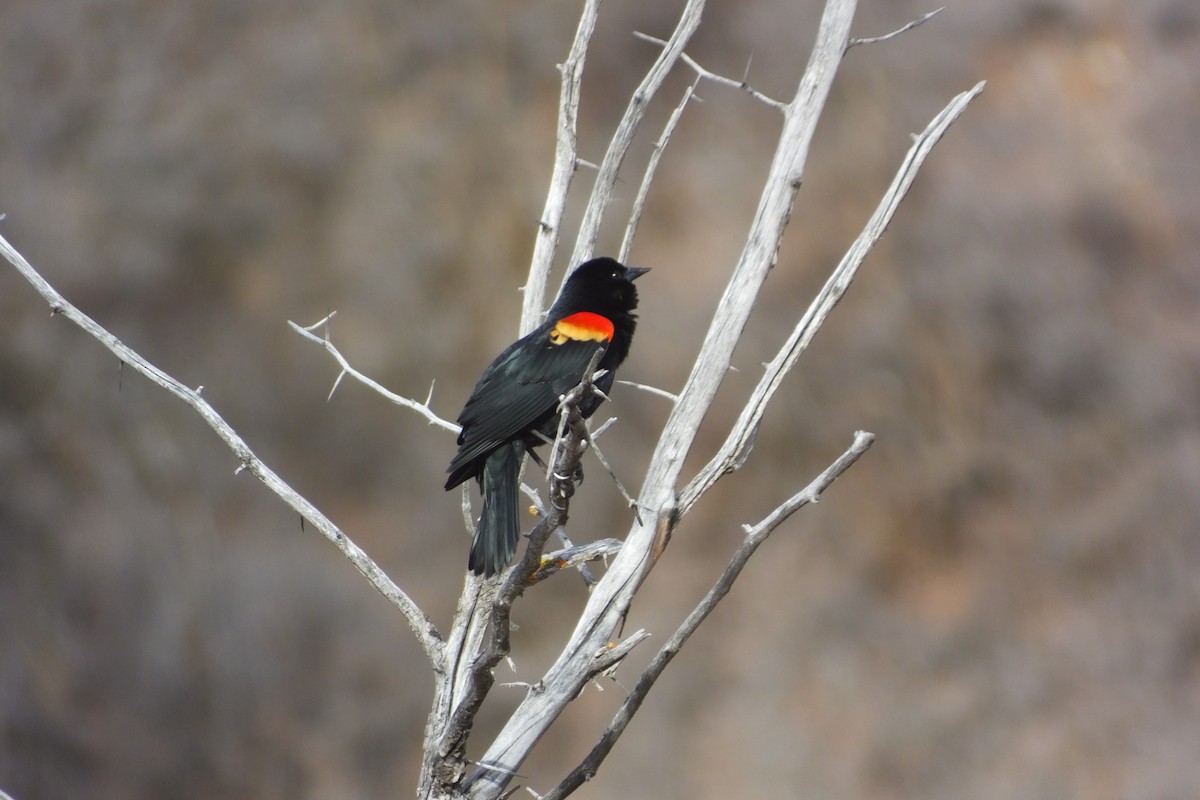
(633, 273)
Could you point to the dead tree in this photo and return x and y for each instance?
(463, 657)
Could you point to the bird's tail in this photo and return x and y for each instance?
(500, 524)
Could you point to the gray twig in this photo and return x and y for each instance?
(660, 147)
(874, 39)
(422, 627)
(324, 341)
(709, 75)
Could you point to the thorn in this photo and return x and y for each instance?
(337, 382)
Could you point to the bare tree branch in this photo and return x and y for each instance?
(565, 162)
(422, 627)
(736, 448)
(654, 390)
(575, 556)
(421, 408)
(874, 39)
(606, 179)
(755, 536)
(639, 203)
(709, 75)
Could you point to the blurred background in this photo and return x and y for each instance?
(1002, 599)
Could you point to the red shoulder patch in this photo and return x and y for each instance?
(583, 326)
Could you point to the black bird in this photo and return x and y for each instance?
(518, 394)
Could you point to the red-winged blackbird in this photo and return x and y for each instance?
(518, 394)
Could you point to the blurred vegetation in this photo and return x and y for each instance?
(1000, 601)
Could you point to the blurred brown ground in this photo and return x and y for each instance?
(1002, 600)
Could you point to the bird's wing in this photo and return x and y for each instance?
(519, 390)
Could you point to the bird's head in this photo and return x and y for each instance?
(602, 285)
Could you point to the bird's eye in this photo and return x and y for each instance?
(615, 275)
